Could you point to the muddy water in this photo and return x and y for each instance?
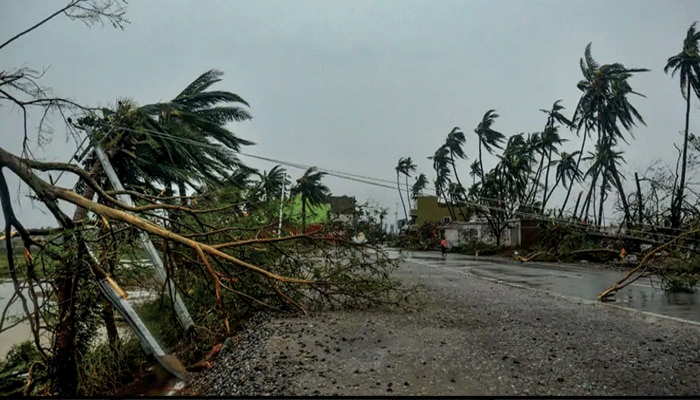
(22, 331)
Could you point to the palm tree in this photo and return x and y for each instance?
(455, 144)
(441, 160)
(514, 168)
(401, 168)
(408, 168)
(605, 161)
(272, 182)
(488, 138)
(197, 116)
(551, 139)
(312, 191)
(602, 106)
(240, 178)
(419, 186)
(566, 171)
(687, 64)
(475, 171)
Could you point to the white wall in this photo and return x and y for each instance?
(480, 231)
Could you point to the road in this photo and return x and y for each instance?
(486, 328)
(584, 282)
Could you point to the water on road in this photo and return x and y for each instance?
(578, 281)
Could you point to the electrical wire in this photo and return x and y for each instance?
(379, 182)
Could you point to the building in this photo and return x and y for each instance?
(519, 233)
(474, 229)
(429, 209)
(342, 208)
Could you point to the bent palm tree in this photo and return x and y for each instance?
(272, 182)
(419, 186)
(566, 171)
(196, 117)
(401, 168)
(687, 65)
(604, 105)
(488, 138)
(312, 191)
(551, 139)
(441, 160)
(455, 144)
(408, 168)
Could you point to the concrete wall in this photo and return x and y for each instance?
(459, 233)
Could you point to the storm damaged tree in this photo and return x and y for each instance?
(687, 65)
(312, 191)
(22, 88)
(151, 147)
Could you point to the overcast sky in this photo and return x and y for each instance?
(354, 85)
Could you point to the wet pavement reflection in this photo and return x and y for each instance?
(581, 281)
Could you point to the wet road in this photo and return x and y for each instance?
(579, 282)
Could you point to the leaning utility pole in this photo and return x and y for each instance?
(183, 315)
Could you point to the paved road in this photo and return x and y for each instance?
(584, 282)
(474, 336)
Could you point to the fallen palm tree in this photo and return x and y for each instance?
(644, 267)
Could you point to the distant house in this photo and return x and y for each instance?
(342, 208)
(524, 233)
(429, 209)
(458, 231)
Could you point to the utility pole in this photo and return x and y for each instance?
(284, 183)
(161, 274)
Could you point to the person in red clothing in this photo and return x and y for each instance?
(443, 246)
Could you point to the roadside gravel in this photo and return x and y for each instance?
(473, 337)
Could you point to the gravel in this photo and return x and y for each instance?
(472, 337)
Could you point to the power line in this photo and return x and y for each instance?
(379, 182)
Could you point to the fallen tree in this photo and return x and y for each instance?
(230, 264)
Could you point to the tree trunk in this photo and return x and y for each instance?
(640, 204)
(481, 163)
(454, 168)
(587, 202)
(398, 185)
(546, 180)
(408, 194)
(578, 199)
(551, 192)
(303, 214)
(603, 182)
(110, 325)
(64, 368)
(676, 209)
(623, 196)
(578, 162)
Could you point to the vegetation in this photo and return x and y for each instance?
(218, 237)
(531, 167)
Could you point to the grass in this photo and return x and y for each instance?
(5, 265)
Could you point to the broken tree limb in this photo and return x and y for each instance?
(621, 283)
(51, 194)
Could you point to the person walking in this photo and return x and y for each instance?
(443, 246)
